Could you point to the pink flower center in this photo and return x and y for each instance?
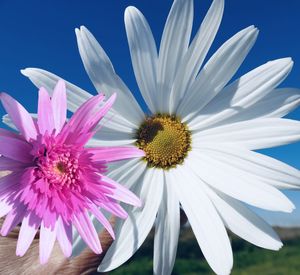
(59, 168)
(57, 164)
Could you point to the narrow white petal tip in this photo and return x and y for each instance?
(83, 28)
(290, 207)
(255, 30)
(25, 71)
(278, 247)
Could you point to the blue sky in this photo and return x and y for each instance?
(41, 34)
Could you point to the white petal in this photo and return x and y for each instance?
(277, 103)
(76, 97)
(102, 74)
(112, 135)
(131, 233)
(167, 229)
(244, 222)
(216, 73)
(127, 175)
(143, 55)
(243, 93)
(252, 134)
(256, 166)
(41, 78)
(8, 121)
(196, 53)
(173, 46)
(109, 138)
(235, 183)
(204, 219)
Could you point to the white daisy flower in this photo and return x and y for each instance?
(198, 139)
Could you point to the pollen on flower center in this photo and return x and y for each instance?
(60, 167)
(165, 140)
(57, 165)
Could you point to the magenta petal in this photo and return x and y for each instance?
(47, 239)
(6, 133)
(15, 149)
(29, 227)
(115, 209)
(110, 154)
(5, 207)
(13, 218)
(87, 231)
(64, 237)
(10, 164)
(20, 117)
(10, 182)
(79, 118)
(59, 105)
(121, 193)
(102, 219)
(86, 118)
(45, 112)
(93, 119)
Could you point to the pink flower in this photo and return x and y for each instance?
(55, 181)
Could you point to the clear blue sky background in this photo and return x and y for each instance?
(41, 34)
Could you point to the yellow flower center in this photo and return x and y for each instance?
(165, 141)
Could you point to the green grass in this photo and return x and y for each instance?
(248, 259)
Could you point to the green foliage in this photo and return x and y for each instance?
(248, 259)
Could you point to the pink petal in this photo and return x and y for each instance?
(6, 133)
(64, 237)
(47, 239)
(85, 119)
(59, 105)
(10, 164)
(102, 219)
(93, 119)
(20, 117)
(110, 154)
(10, 182)
(77, 121)
(115, 209)
(15, 149)
(5, 207)
(45, 112)
(29, 227)
(87, 231)
(13, 219)
(121, 193)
